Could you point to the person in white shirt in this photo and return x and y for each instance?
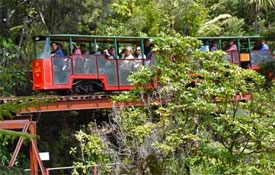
(128, 53)
(138, 54)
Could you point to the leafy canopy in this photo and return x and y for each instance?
(193, 122)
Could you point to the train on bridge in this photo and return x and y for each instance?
(101, 63)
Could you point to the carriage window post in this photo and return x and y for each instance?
(116, 49)
(70, 46)
(238, 44)
(95, 47)
(220, 43)
(249, 44)
(34, 48)
(142, 46)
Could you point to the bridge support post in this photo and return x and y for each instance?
(33, 158)
(27, 125)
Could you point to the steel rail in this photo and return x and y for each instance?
(80, 102)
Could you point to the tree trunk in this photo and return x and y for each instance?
(256, 28)
(187, 168)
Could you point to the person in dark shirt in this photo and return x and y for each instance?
(148, 48)
(57, 57)
(83, 49)
(56, 51)
(110, 53)
(214, 46)
(61, 47)
(257, 45)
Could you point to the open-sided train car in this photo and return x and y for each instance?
(85, 73)
(88, 73)
(246, 55)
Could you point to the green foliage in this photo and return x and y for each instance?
(11, 107)
(9, 52)
(5, 156)
(6, 138)
(8, 134)
(188, 132)
(145, 17)
(12, 170)
(223, 25)
(91, 149)
(192, 122)
(267, 69)
(232, 129)
(262, 4)
(13, 79)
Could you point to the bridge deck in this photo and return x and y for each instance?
(80, 102)
(67, 103)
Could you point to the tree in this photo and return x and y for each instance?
(223, 25)
(145, 17)
(258, 6)
(13, 79)
(199, 126)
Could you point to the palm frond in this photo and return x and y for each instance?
(219, 18)
(262, 4)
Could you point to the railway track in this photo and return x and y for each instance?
(51, 103)
(54, 97)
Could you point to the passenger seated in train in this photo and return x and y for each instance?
(214, 46)
(264, 46)
(75, 50)
(128, 53)
(94, 50)
(110, 53)
(83, 49)
(57, 53)
(61, 47)
(231, 46)
(88, 62)
(58, 63)
(257, 45)
(122, 53)
(56, 50)
(126, 65)
(148, 48)
(138, 54)
(202, 47)
(78, 59)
